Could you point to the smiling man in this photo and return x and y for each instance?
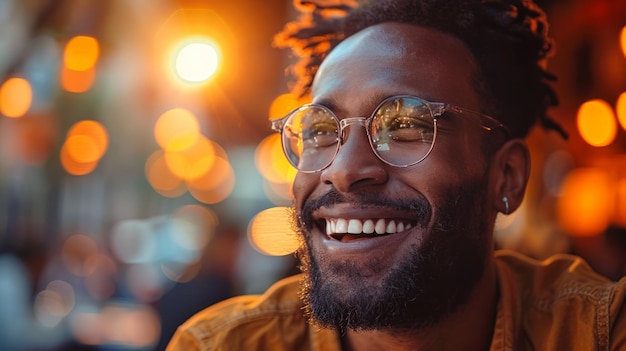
(412, 145)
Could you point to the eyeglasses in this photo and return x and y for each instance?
(402, 131)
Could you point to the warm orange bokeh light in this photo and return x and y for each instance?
(16, 96)
(270, 232)
(161, 178)
(197, 60)
(285, 103)
(271, 161)
(81, 53)
(586, 205)
(74, 167)
(214, 178)
(82, 149)
(94, 130)
(77, 81)
(620, 108)
(86, 143)
(220, 182)
(176, 130)
(596, 123)
(192, 162)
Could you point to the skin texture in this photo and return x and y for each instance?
(436, 279)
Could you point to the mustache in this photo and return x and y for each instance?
(419, 205)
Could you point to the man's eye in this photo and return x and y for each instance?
(320, 135)
(409, 129)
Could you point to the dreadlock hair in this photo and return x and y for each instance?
(508, 39)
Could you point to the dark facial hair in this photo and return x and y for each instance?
(429, 283)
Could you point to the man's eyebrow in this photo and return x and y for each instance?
(373, 100)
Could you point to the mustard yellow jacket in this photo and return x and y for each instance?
(557, 304)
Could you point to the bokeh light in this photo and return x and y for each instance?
(101, 283)
(586, 204)
(162, 180)
(16, 96)
(77, 251)
(133, 241)
(123, 325)
(86, 143)
(176, 129)
(285, 103)
(77, 81)
(215, 185)
(271, 233)
(620, 108)
(196, 61)
(54, 303)
(81, 53)
(271, 161)
(596, 123)
(192, 162)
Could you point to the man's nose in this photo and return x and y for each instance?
(355, 164)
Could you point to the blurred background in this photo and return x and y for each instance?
(140, 181)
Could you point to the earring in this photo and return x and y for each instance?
(506, 204)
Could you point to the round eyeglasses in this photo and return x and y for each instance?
(402, 131)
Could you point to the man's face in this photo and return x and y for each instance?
(430, 258)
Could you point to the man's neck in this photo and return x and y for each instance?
(469, 328)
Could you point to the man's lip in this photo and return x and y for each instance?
(365, 246)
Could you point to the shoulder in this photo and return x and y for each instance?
(236, 322)
(562, 295)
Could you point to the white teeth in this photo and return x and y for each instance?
(341, 226)
(380, 226)
(355, 226)
(391, 227)
(369, 226)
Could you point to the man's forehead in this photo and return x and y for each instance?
(396, 58)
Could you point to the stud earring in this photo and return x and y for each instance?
(506, 204)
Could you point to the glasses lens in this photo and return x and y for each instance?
(402, 130)
(311, 138)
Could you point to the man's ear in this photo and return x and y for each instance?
(510, 171)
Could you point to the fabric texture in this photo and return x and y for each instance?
(556, 304)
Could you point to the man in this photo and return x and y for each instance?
(412, 146)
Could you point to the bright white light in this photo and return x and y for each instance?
(196, 62)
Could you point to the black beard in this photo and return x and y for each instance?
(429, 283)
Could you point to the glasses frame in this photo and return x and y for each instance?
(437, 111)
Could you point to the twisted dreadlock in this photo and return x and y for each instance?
(508, 39)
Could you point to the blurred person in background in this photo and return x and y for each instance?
(413, 145)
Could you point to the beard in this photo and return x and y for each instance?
(429, 282)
